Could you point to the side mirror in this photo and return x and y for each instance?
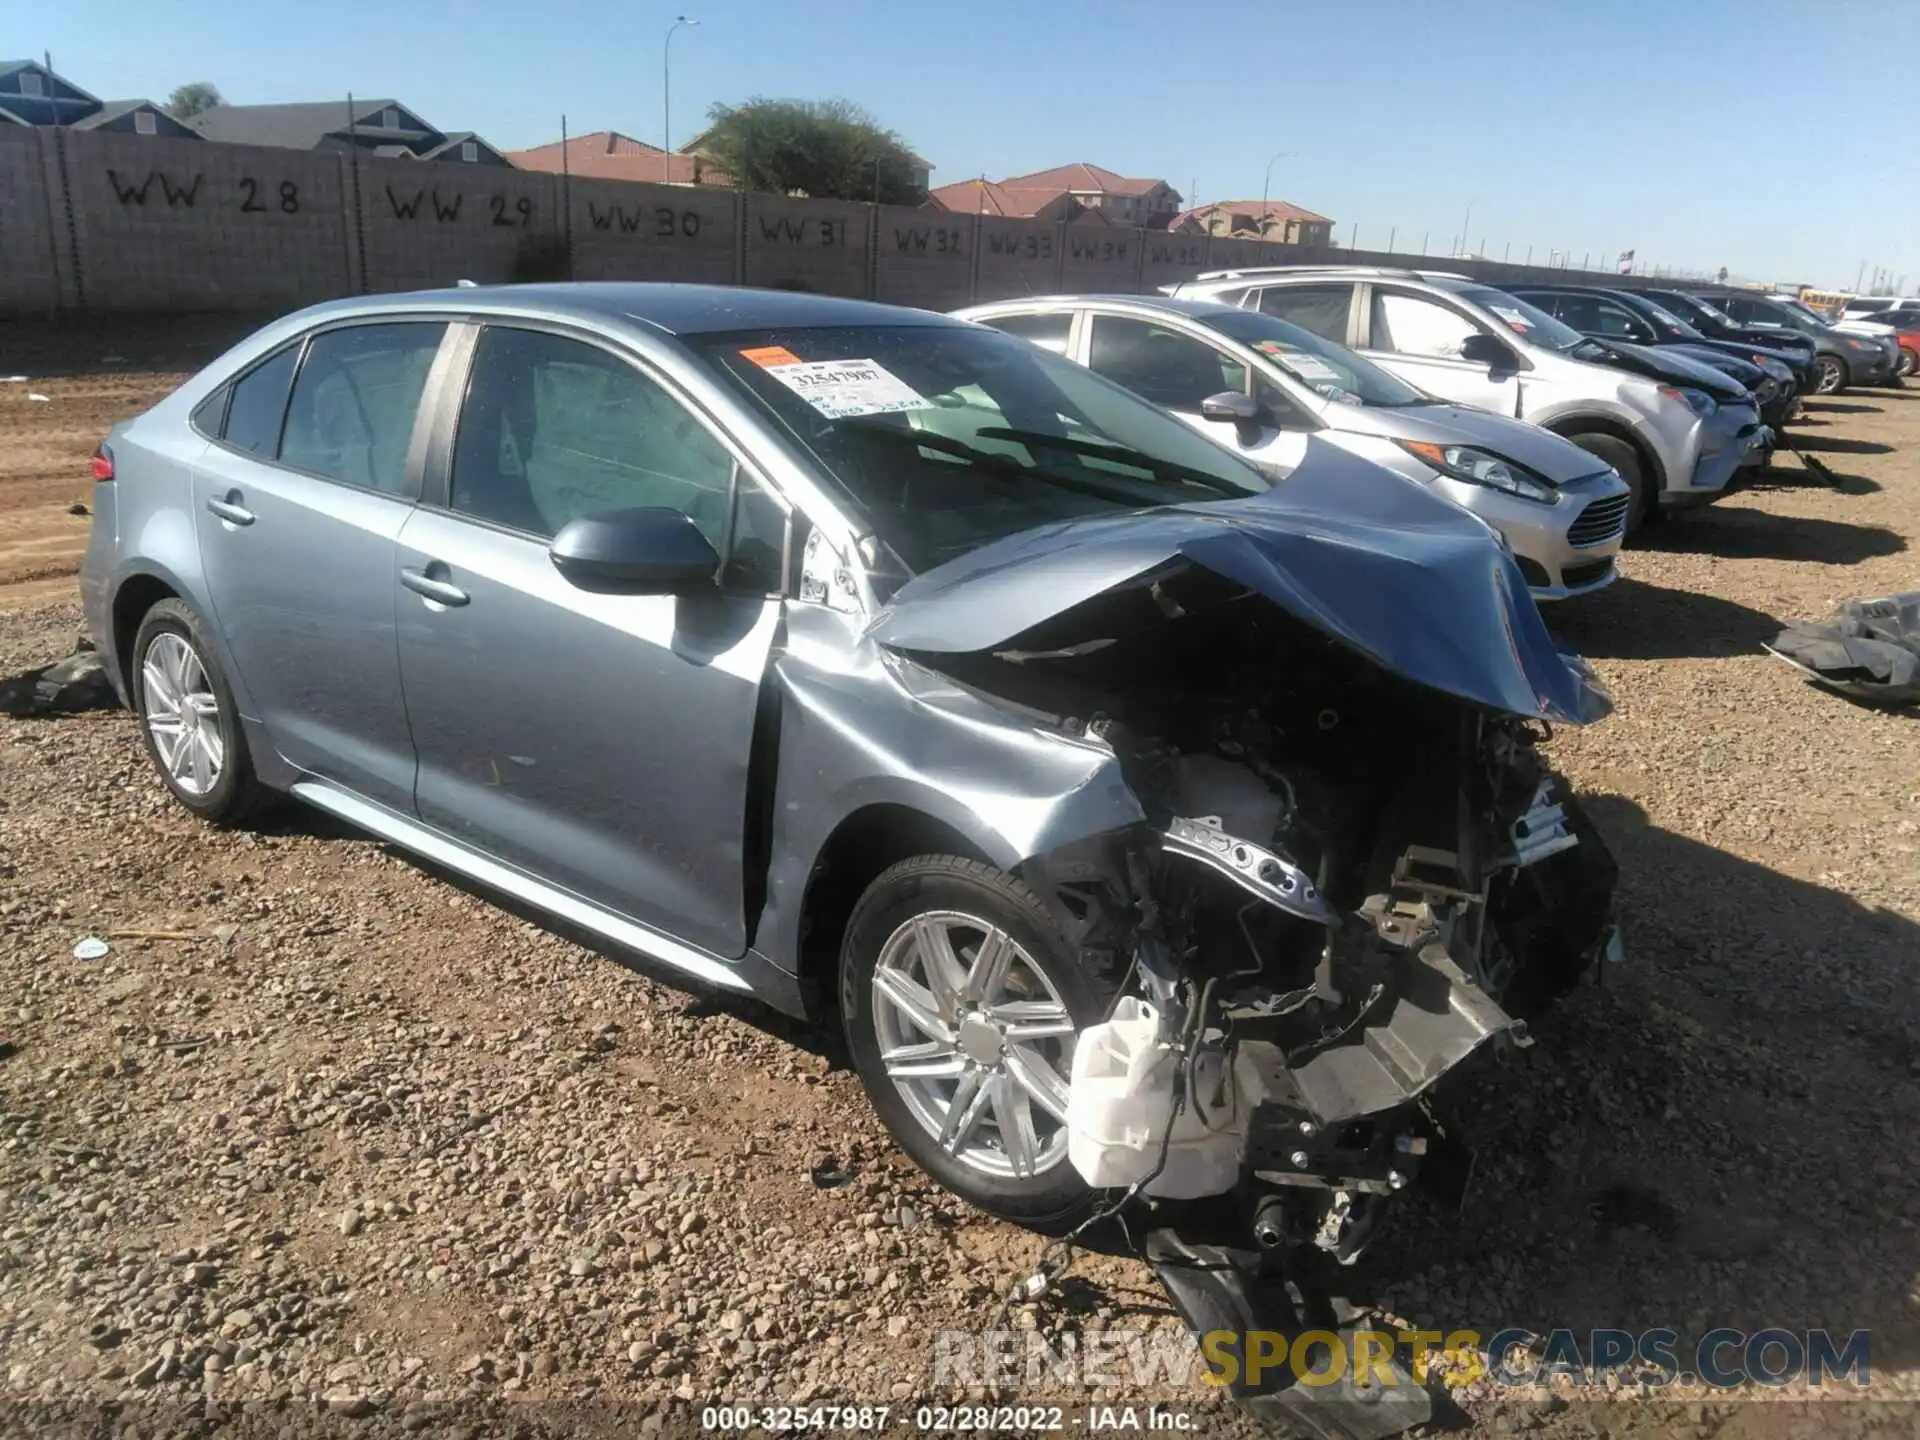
(651, 550)
(1481, 348)
(1237, 409)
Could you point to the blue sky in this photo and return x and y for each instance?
(1755, 134)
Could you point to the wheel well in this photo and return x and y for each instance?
(1650, 466)
(131, 602)
(863, 845)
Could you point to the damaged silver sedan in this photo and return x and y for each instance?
(1152, 828)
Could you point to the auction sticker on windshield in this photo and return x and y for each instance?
(840, 389)
(1515, 320)
(1310, 368)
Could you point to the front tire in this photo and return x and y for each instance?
(1626, 462)
(962, 998)
(1907, 362)
(188, 720)
(1830, 375)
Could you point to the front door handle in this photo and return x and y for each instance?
(230, 509)
(442, 592)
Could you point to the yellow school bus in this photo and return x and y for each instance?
(1828, 302)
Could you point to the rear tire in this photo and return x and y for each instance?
(1626, 461)
(1907, 362)
(1830, 375)
(188, 721)
(952, 909)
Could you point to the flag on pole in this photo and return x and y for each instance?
(1626, 262)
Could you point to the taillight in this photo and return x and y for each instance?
(102, 464)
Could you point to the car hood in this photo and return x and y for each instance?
(1790, 361)
(1664, 365)
(1409, 580)
(1737, 367)
(1553, 459)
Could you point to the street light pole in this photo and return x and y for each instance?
(1266, 186)
(666, 98)
(1465, 224)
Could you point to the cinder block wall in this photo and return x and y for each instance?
(93, 221)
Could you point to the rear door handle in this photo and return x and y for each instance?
(230, 510)
(443, 592)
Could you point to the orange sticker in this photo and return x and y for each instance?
(769, 356)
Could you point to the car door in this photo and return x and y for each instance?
(598, 741)
(1418, 337)
(313, 471)
(1178, 371)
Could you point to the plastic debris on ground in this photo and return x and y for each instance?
(1867, 649)
(830, 1174)
(92, 948)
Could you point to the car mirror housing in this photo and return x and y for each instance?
(649, 550)
(1236, 408)
(1483, 349)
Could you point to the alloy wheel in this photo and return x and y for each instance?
(1907, 362)
(181, 713)
(1828, 375)
(977, 1040)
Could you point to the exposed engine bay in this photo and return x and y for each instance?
(1346, 884)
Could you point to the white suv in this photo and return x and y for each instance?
(1674, 444)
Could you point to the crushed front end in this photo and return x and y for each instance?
(1353, 867)
(1345, 886)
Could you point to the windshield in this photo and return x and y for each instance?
(1529, 322)
(950, 437)
(1329, 370)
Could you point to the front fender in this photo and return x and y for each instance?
(861, 726)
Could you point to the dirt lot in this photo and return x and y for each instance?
(324, 1124)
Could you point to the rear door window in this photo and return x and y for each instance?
(1319, 309)
(259, 404)
(354, 401)
(1049, 331)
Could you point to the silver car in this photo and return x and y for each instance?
(880, 665)
(1675, 445)
(1263, 386)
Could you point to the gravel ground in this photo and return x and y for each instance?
(326, 1126)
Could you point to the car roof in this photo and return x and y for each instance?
(1321, 272)
(1168, 303)
(673, 309)
(1552, 288)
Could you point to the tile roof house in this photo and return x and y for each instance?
(1080, 192)
(985, 197)
(31, 94)
(381, 127)
(609, 155)
(136, 117)
(1256, 220)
